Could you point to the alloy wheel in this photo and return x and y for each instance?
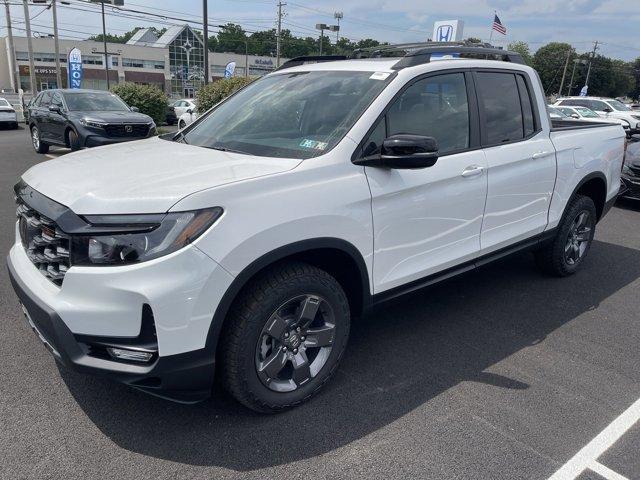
(295, 343)
(578, 238)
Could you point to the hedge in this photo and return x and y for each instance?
(217, 91)
(149, 100)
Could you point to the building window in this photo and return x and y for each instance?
(137, 63)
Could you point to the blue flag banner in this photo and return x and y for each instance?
(74, 67)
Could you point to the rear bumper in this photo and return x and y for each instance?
(185, 377)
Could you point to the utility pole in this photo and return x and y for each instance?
(278, 40)
(32, 68)
(104, 43)
(15, 74)
(573, 72)
(564, 72)
(57, 44)
(205, 31)
(593, 56)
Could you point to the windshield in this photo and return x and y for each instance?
(4, 103)
(94, 102)
(556, 113)
(296, 115)
(617, 105)
(587, 112)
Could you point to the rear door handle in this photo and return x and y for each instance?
(539, 155)
(472, 171)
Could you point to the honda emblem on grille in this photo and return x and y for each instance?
(128, 128)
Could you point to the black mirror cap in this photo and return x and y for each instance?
(189, 111)
(607, 109)
(404, 151)
(55, 108)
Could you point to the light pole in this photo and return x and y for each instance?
(205, 35)
(322, 27)
(187, 47)
(338, 16)
(32, 68)
(15, 74)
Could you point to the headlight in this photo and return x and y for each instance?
(126, 239)
(92, 123)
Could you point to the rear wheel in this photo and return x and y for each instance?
(38, 145)
(284, 338)
(564, 255)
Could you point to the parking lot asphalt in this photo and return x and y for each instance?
(498, 374)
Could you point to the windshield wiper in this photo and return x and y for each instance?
(230, 150)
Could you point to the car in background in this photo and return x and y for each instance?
(84, 118)
(557, 114)
(170, 116)
(181, 106)
(187, 118)
(8, 115)
(630, 176)
(585, 114)
(605, 107)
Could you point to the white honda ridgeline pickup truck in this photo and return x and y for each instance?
(249, 240)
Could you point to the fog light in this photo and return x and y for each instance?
(130, 355)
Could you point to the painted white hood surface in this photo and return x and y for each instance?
(146, 176)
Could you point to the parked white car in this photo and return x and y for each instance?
(585, 114)
(187, 118)
(181, 106)
(608, 108)
(8, 115)
(245, 243)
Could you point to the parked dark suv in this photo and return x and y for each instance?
(84, 118)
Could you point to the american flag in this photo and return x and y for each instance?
(498, 27)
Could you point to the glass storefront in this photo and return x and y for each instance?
(186, 63)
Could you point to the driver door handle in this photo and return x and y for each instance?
(539, 155)
(472, 171)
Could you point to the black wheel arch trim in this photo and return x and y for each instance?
(274, 256)
(581, 183)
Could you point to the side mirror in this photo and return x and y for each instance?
(190, 111)
(404, 151)
(575, 115)
(607, 109)
(55, 108)
(135, 109)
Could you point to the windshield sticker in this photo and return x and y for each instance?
(380, 76)
(306, 143)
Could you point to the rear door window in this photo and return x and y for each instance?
(500, 108)
(527, 106)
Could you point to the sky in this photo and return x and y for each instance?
(614, 23)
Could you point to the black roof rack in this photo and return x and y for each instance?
(419, 53)
(294, 62)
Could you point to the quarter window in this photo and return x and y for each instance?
(527, 106)
(500, 103)
(435, 107)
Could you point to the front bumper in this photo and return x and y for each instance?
(181, 290)
(630, 187)
(96, 140)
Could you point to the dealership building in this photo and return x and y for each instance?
(174, 62)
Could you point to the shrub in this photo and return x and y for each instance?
(149, 100)
(217, 91)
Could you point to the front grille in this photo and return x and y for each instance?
(46, 245)
(127, 130)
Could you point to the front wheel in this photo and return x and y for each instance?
(566, 253)
(38, 145)
(284, 337)
(73, 140)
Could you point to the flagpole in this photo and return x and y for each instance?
(495, 12)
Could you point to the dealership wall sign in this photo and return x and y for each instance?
(448, 30)
(75, 68)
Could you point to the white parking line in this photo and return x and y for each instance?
(587, 457)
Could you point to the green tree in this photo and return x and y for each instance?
(215, 92)
(549, 61)
(231, 38)
(125, 37)
(635, 70)
(523, 49)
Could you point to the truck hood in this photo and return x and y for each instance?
(146, 176)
